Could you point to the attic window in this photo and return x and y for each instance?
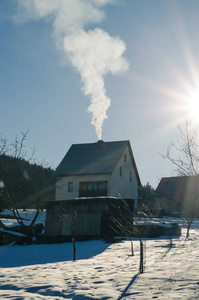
(125, 157)
(121, 171)
(130, 176)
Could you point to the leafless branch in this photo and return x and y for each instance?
(184, 154)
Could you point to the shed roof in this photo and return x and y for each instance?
(94, 158)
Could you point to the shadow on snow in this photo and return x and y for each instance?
(17, 256)
(125, 292)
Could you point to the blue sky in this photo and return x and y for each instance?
(41, 91)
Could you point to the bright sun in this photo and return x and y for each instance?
(193, 106)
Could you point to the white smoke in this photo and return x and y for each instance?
(93, 53)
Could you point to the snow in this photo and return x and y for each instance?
(102, 271)
(27, 216)
(163, 222)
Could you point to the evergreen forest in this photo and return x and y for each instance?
(24, 184)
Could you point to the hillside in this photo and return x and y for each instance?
(23, 183)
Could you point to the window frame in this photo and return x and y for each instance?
(70, 187)
(120, 171)
(93, 188)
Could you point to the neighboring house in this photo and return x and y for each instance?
(178, 195)
(91, 179)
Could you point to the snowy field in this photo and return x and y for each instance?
(102, 271)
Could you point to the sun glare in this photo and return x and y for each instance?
(193, 106)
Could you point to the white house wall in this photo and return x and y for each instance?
(62, 184)
(122, 185)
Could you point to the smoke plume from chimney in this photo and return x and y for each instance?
(92, 53)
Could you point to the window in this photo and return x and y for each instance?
(130, 176)
(70, 187)
(94, 186)
(125, 157)
(89, 187)
(93, 189)
(120, 171)
(100, 186)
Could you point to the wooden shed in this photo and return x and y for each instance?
(87, 218)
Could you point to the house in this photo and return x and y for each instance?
(91, 179)
(178, 194)
(98, 169)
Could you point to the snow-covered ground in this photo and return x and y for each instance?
(102, 271)
(27, 216)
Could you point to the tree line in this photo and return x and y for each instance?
(23, 183)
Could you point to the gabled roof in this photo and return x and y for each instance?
(95, 158)
(178, 187)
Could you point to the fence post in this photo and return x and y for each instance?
(141, 256)
(132, 251)
(74, 249)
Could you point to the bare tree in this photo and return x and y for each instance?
(124, 223)
(71, 226)
(190, 210)
(184, 155)
(67, 215)
(121, 218)
(16, 152)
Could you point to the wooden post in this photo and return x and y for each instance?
(141, 256)
(74, 249)
(132, 252)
